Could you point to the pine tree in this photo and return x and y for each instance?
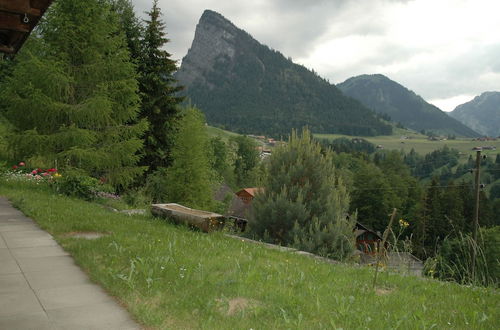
(73, 94)
(159, 92)
(304, 203)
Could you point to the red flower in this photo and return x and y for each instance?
(51, 170)
(45, 173)
(14, 167)
(22, 164)
(34, 172)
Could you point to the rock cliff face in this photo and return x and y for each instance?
(386, 96)
(215, 38)
(247, 87)
(482, 113)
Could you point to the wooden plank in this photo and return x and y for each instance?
(5, 49)
(19, 7)
(13, 22)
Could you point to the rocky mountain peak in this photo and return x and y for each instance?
(215, 37)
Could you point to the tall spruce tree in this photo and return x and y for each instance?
(304, 202)
(159, 92)
(131, 25)
(73, 94)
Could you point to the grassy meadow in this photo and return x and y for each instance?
(422, 145)
(170, 277)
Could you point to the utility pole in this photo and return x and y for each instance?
(476, 214)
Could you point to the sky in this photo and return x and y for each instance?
(447, 51)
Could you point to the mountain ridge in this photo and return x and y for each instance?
(384, 95)
(481, 113)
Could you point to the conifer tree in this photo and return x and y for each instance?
(131, 25)
(190, 178)
(159, 92)
(73, 94)
(304, 203)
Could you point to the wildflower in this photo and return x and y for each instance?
(34, 172)
(52, 170)
(57, 175)
(14, 167)
(403, 223)
(22, 164)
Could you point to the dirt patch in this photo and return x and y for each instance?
(233, 306)
(383, 291)
(86, 234)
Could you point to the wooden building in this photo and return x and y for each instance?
(367, 241)
(17, 19)
(247, 194)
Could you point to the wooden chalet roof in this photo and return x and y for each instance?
(250, 191)
(17, 20)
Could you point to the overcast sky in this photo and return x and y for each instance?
(447, 51)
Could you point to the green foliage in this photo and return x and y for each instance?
(247, 159)
(425, 167)
(454, 259)
(189, 181)
(76, 89)
(222, 160)
(159, 93)
(303, 203)
(349, 145)
(495, 191)
(259, 91)
(131, 26)
(77, 184)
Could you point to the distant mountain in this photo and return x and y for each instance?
(247, 87)
(482, 113)
(387, 96)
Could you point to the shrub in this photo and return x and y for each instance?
(77, 184)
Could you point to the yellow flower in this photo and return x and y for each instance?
(403, 223)
(57, 175)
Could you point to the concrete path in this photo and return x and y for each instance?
(42, 288)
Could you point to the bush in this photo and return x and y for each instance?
(77, 184)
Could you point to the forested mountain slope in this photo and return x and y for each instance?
(386, 96)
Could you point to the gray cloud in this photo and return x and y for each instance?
(298, 27)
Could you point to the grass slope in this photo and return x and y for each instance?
(173, 278)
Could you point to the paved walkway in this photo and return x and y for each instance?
(42, 288)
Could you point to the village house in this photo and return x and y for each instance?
(246, 195)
